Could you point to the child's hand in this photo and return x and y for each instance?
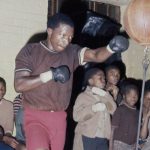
(10, 141)
(113, 89)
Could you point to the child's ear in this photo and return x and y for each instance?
(49, 31)
(90, 81)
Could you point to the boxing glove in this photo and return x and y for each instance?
(98, 107)
(61, 73)
(118, 44)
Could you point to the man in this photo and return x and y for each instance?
(44, 73)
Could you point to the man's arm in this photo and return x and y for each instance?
(97, 55)
(24, 81)
(117, 45)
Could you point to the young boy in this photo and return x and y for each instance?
(18, 117)
(92, 111)
(112, 78)
(125, 120)
(7, 142)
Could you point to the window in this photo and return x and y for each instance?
(109, 10)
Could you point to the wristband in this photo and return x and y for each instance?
(46, 76)
(109, 49)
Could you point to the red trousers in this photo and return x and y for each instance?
(44, 129)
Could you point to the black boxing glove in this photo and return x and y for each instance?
(118, 44)
(61, 73)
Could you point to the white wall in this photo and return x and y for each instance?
(19, 20)
(134, 56)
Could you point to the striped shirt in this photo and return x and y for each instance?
(17, 103)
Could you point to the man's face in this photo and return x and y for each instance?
(60, 37)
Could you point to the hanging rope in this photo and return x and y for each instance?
(145, 63)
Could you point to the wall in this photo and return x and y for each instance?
(19, 20)
(134, 56)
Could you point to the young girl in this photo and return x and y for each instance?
(125, 120)
(112, 79)
(92, 111)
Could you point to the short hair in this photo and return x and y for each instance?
(89, 73)
(112, 66)
(57, 19)
(3, 82)
(128, 85)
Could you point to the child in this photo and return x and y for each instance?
(112, 78)
(145, 130)
(18, 115)
(92, 111)
(6, 119)
(125, 120)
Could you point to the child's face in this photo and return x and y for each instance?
(2, 90)
(113, 76)
(131, 97)
(146, 102)
(98, 80)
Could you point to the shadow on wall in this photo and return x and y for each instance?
(37, 37)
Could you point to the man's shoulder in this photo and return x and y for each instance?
(29, 48)
(32, 45)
